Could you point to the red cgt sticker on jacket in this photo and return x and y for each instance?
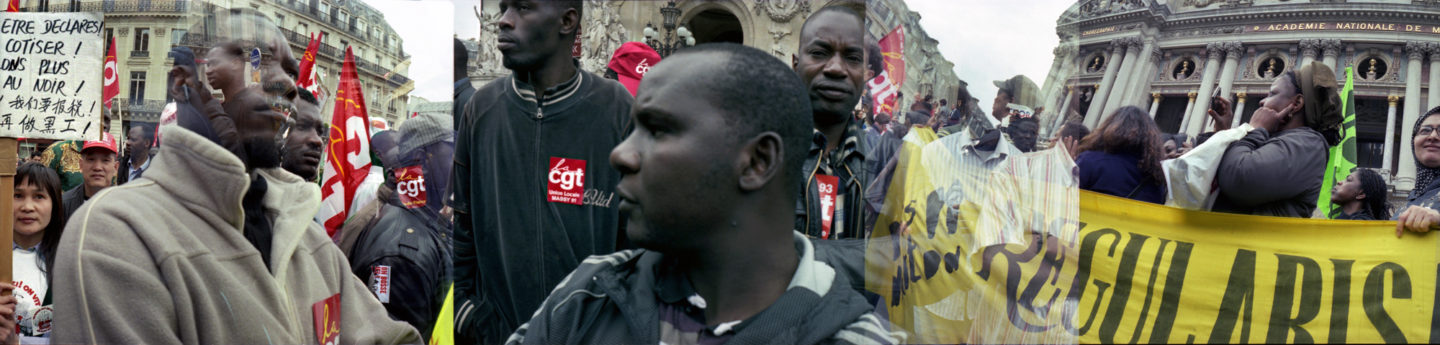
(327, 320)
(410, 186)
(826, 184)
(567, 180)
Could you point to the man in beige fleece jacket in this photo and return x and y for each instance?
(215, 244)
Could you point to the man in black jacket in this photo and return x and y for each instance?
(533, 195)
(832, 65)
(402, 253)
(709, 174)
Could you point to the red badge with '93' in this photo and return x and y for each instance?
(567, 180)
(827, 185)
(327, 320)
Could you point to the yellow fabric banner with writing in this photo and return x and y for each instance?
(1145, 273)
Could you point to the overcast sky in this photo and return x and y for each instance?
(429, 47)
(466, 26)
(990, 40)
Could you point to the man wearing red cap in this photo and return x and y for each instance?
(98, 166)
(630, 63)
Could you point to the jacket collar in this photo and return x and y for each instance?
(204, 175)
(554, 94)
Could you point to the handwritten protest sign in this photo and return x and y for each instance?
(50, 75)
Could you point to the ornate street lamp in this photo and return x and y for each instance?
(674, 39)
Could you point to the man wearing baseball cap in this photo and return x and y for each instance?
(629, 64)
(1017, 90)
(98, 166)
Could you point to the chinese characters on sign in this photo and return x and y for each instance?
(50, 75)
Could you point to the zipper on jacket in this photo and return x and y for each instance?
(540, 157)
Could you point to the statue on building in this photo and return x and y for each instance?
(487, 59)
(778, 48)
(1371, 75)
(1270, 71)
(1184, 70)
(601, 35)
(1095, 66)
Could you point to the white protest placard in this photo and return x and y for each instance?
(50, 75)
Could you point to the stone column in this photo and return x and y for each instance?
(1434, 76)
(1154, 104)
(1065, 107)
(1416, 52)
(1144, 74)
(1189, 105)
(1239, 108)
(1058, 77)
(1213, 52)
(1331, 51)
(1309, 48)
(1227, 75)
(1116, 98)
(1112, 66)
(1390, 134)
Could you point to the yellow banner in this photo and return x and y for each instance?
(1146, 273)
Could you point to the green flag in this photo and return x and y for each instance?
(1342, 156)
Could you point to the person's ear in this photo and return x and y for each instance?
(761, 161)
(569, 21)
(794, 62)
(1361, 196)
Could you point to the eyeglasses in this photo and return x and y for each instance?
(1426, 131)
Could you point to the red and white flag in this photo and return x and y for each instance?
(886, 86)
(112, 76)
(347, 159)
(307, 64)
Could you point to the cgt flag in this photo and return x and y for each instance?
(884, 88)
(112, 76)
(12, 6)
(348, 152)
(307, 64)
(1342, 156)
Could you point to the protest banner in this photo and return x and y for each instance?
(1149, 273)
(50, 86)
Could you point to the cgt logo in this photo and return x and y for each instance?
(642, 67)
(410, 186)
(567, 180)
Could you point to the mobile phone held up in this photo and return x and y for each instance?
(1215, 100)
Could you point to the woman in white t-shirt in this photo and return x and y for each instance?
(38, 225)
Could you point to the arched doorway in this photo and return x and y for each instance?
(716, 25)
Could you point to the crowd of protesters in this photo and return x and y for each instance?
(673, 200)
(212, 230)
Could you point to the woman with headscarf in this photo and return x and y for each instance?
(1278, 168)
(1422, 210)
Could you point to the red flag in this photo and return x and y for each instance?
(13, 6)
(112, 76)
(892, 48)
(307, 63)
(886, 86)
(347, 161)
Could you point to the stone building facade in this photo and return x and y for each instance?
(1171, 56)
(769, 25)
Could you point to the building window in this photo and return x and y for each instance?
(177, 35)
(142, 39)
(109, 35)
(280, 19)
(137, 87)
(44, 6)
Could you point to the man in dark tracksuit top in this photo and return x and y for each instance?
(831, 62)
(534, 191)
(709, 172)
